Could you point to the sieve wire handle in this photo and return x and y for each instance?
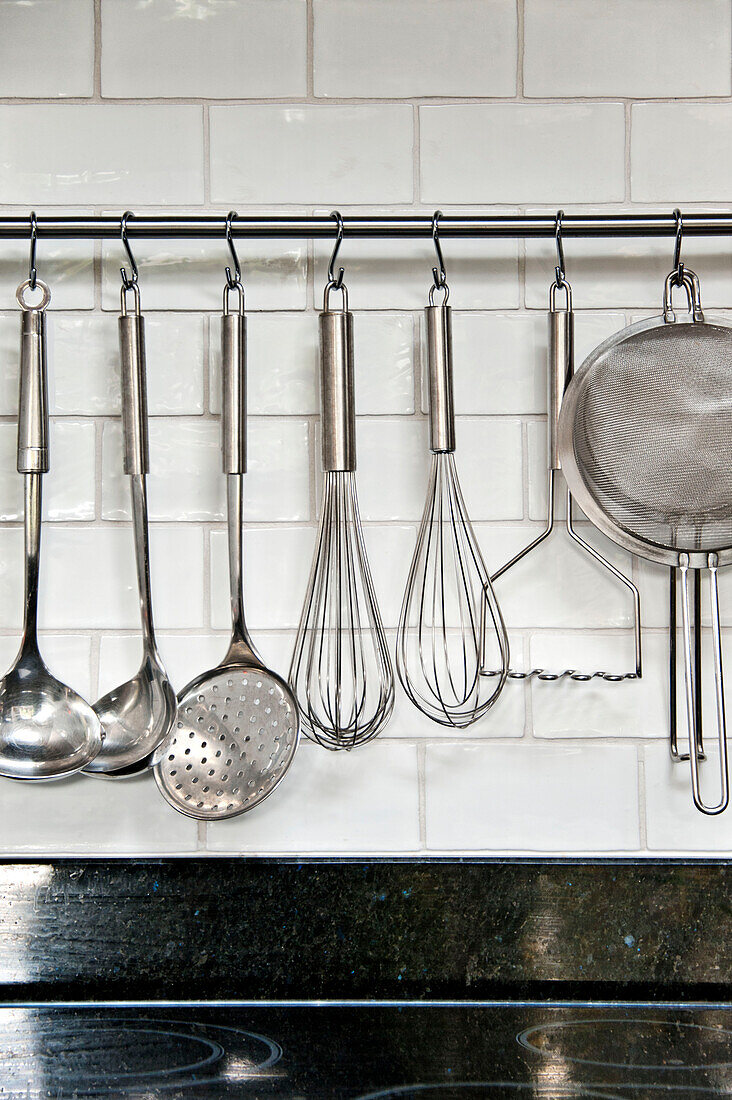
(718, 807)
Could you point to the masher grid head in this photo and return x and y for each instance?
(234, 736)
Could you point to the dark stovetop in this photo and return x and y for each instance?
(329, 1052)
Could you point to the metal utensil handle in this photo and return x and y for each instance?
(561, 366)
(718, 807)
(338, 418)
(439, 362)
(233, 380)
(33, 397)
(233, 413)
(134, 387)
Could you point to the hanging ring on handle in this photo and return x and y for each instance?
(32, 274)
(232, 281)
(438, 273)
(678, 267)
(560, 277)
(128, 282)
(335, 282)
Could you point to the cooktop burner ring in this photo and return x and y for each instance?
(685, 1027)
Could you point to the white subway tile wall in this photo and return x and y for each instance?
(300, 106)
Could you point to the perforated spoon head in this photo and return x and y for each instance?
(234, 738)
(136, 717)
(47, 731)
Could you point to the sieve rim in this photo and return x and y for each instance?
(573, 472)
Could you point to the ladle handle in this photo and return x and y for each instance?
(561, 368)
(338, 420)
(33, 398)
(439, 361)
(134, 393)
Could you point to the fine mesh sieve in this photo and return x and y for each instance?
(645, 440)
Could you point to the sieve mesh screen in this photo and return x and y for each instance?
(652, 435)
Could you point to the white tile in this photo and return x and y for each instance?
(184, 655)
(186, 480)
(533, 798)
(415, 48)
(282, 364)
(384, 363)
(489, 465)
(68, 656)
(564, 153)
(568, 708)
(389, 548)
(47, 48)
(499, 363)
(88, 577)
(66, 266)
(401, 446)
(312, 154)
(680, 152)
(557, 585)
(667, 48)
(191, 274)
(86, 364)
(98, 153)
(397, 274)
(673, 823)
(254, 48)
(276, 569)
(68, 488)
(93, 816)
(615, 272)
(363, 801)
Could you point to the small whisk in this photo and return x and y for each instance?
(443, 618)
(561, 369)
(341, 672)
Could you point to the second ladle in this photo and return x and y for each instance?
(46, 729)
(137, 715)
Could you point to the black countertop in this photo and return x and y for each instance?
(366, 1053)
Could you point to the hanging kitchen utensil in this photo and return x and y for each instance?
(341, 671)
(561, 368)
(136, 716)
(645, 440)
(46, 730)
(443, 616)
(237, 726)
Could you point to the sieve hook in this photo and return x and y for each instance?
(678, 267)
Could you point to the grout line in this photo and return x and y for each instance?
(642, 822)
(97, 51)
(416, 156)
(310, 51)
(422, 793)
(520, 36)
(206, 138)
(628, 124)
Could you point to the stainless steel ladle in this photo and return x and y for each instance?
(46, 729)
(137, 715)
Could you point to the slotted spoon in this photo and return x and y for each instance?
(237, 725)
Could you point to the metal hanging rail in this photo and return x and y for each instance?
(292, 227)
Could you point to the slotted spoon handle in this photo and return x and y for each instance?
(234, 386)
(33, 398)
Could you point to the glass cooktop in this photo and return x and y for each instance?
(359, 1052)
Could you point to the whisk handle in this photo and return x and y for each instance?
(561, 367)
(439, 360)
(336, 390)
(233, 380)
